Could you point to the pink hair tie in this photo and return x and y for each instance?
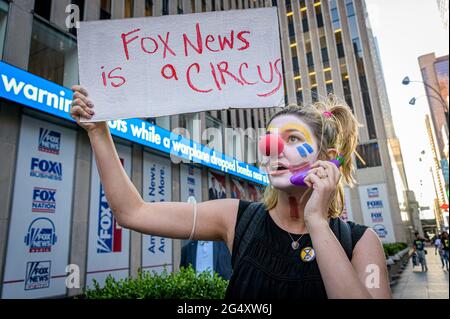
(327, 114)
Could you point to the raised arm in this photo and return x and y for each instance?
(215, 219)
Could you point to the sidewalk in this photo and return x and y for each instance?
(415, 284)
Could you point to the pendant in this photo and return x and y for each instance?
(295, 245)
(307, 254)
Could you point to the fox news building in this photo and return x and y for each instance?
(54, 217)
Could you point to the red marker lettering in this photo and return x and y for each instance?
(121, 78)
(210, 38)
(242, 76)
(199, 48)
(271, 73)
(155, 44)
(103, 76)
(240, 36)
(125, 42)
(166, 45)
(188, 78)
(223, 69)
(173, 72)
(280, 81)
(225, 41)
(213, 72)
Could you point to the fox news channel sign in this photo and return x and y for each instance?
(157, 187)
(109, 244)
(37, 93)
(376, 211)
(38, 242)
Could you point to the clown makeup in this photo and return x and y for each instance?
(299, 150)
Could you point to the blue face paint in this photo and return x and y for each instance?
(308, 148)
(301, 151)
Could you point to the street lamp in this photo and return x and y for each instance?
(406, 81)
(414, 99)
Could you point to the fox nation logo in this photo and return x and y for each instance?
(37, 275)
(49, 141)
(41, 235)
(44, 200)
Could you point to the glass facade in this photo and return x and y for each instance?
(357, 50)
(3, 20)
(53, 55)
(370, 153)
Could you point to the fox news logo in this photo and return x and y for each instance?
(373, 192)
(41, 235)
(109, 233)
(375, 204)
(42, 168)
(377, 217)
(49, 141)
(44, 200)
(37, 275)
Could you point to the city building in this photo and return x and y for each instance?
(49, 182)
(435, 79)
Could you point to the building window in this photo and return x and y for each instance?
(3, 19)
(367, 107)
(129, 8)
(180, 7)
(148, 8)
(319, 17)
(53, 55)
(310, 60)
(165, 7)
(370, 153)
(105, 9)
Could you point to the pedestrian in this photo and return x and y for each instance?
(444, 247)
(419, 249)
(437, 243)
(291, 245)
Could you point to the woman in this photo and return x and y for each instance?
(282, 262)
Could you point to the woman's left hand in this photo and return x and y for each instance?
(322, 179)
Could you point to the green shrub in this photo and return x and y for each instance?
(392, 248)
(185, 284)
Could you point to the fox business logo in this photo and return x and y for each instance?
(44, 200)
(49, 141)
(374, 204)
(373, 192)
(109, 233)
(37, 275)
(42, 168)
(41, 235)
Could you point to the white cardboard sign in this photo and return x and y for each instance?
(155, 66)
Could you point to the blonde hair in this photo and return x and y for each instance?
(337, 129)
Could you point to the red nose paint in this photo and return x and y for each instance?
(271, 145)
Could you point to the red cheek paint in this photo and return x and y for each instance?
(293, 204)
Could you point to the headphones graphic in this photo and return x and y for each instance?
(34, 231)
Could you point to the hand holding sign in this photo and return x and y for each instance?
(147, 67)
(82, 107)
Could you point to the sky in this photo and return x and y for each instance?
(405, 30)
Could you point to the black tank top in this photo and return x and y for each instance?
(270, 268)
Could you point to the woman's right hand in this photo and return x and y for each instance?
(83, 107)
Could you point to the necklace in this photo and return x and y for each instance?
(295, 243)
